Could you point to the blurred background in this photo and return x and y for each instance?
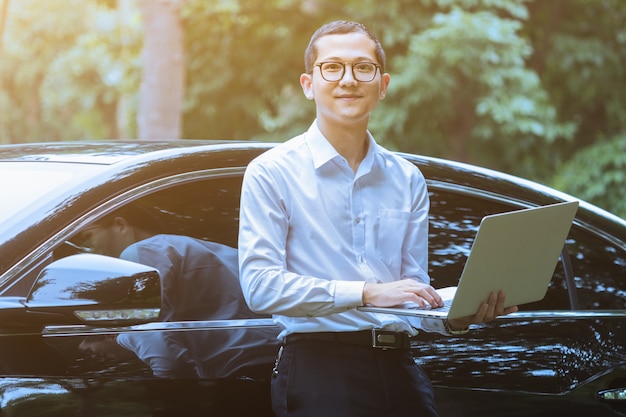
(533, 88)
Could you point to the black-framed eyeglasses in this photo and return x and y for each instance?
(361, 71)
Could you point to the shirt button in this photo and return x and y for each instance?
(357, 220)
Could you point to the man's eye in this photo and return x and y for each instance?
(332, 66)
(364, 67)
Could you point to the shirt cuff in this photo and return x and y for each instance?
(349, 294)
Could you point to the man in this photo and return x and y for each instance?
(331, 221)
(199, 281)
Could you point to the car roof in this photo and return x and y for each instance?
(97, 152)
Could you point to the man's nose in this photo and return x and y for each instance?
(348, 76)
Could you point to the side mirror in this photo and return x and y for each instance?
(94, 290)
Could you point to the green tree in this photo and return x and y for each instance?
(580, 53)
(67, 66)
(462, 87)
(598, 174)
(244, 61)
(532, 88)
(91, 88)
(35, 34)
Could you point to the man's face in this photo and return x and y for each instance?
(346, 100)
(103, 240)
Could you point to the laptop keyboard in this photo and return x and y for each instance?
(414, 306)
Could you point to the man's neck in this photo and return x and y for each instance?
(351, 141)
(141, 234)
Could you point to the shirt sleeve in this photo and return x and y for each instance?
(267, 285)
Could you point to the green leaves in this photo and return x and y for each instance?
(598, 174)
(533, 88)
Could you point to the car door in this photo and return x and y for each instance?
(563, 355)
(195, 367)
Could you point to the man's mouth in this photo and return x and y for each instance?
(348, 97)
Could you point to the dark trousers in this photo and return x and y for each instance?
(317, 378)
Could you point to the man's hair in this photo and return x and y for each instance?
(341, 27)
(137, 215)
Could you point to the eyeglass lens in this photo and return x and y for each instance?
(361, 71)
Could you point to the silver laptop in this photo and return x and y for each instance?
(516, 252)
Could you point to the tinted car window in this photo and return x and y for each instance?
(207, 209)
(599, 269)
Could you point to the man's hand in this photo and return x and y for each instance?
(393, 293)
(487, 311)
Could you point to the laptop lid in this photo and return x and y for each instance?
(516, 252)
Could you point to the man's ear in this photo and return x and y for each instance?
(121, 224)
(384, 84)
(306, 81)
(125, 234)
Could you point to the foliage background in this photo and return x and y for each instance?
(532, 88)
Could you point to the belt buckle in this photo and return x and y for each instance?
(382, 339)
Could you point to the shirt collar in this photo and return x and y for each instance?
(322, 151)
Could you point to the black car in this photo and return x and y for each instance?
(563, 355)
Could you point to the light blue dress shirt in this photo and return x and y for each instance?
(312, 233)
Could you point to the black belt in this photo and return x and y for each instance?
(374, 338)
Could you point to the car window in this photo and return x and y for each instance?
(209, 210)
(206, 209)
(599, 268)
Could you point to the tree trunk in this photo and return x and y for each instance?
(163, 76)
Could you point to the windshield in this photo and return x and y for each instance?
(29, 186)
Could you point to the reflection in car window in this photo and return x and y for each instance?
(207, 209)
(599, 269)
(199, 282)
(193, 245)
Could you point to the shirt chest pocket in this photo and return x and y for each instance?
(390, 232)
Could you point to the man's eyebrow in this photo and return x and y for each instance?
(357, 59)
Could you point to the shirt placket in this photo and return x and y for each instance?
(359, 225)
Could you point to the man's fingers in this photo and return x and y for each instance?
(397, 292)
(489, 310)
(431, 297)
(425, 299)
